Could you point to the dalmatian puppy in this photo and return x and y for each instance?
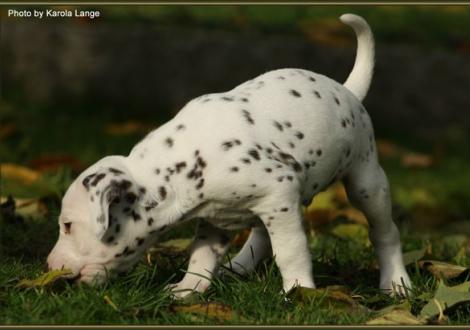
(249, 157)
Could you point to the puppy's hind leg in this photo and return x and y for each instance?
(256, 248)
(368, 189)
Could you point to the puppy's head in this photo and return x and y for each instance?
(100, 223)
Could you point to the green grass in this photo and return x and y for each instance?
(140, 299)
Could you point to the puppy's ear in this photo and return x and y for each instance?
(104, 187)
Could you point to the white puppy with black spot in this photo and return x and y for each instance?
(248, 157)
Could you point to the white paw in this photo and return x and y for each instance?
(398, 284)
(184, 288)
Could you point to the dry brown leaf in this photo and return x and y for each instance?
(213, 310)
(19, 173)
(7, 130)
(240, 238)
(416, 160)
(50, 162)
(327, 31)
(128, 127)
(442, 270)
(396, 317)
(388, 149)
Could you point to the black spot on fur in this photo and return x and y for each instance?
(234, 169)
(292, 145)
(169, 142)
(86, 180)
(151, 205)
(150, 221)
(299, 135)
(295, 93)
(157, 171)
(268, 170)
(136, 216)
(337, 101)
(200, 184)
(290, 177)
(319, 152)
(97, 179)
(254, 153)
(201, 195)
(281, 78)
(284, 209)
(343, 123)
(115, 171)
(201, 162)
(278, 125)
(246, 160)
(140, 241)
(244, 99)
(118, 228)
(317, 94)
(248, 117)
(180, 127)
(312, 79)
(110, 239)
(227, 145)
(226, 98)
(288, 124)
(162, 192)
(179, 166)
(280, 179)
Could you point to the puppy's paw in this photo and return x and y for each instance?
(398, 285)
(184, 288)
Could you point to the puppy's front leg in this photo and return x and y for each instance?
(207, 252)
(283, 220)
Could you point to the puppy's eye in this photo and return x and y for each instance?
(68, 227)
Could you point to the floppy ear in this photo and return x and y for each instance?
(105, 187)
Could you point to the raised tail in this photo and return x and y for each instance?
(360, 77)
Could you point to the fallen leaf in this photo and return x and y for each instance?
(446, 298)
(25, 207)
(396, 315)
(416, 160)
(212, 310)
(326, 31)
(45, 279)
(411, 257)
(51, 162)
(240, 238)
(7, 130)
(179, 244)
(387, 149)
(19, 173)
(442, 269)
(352, 231)
(128, 127)
(334, 296)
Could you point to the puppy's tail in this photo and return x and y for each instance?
(360, 77)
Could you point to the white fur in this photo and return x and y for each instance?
(244, 158)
